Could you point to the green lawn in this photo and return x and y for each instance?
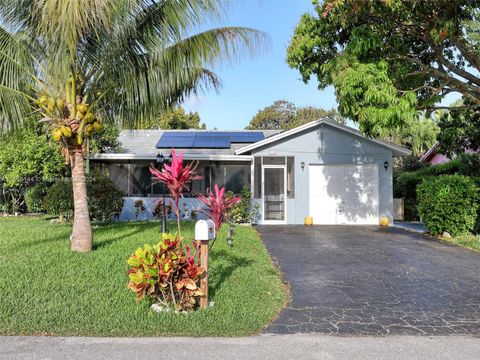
(46, 289)
(469, 241)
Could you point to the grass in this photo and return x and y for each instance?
(47, 290)
(471, 242)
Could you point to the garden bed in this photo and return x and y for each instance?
(48, 290)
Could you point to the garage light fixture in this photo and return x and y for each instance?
(302, 165)
(385, 165)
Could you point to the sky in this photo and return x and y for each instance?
(255, 83)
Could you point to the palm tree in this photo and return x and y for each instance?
(76, 63)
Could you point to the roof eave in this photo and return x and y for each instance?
(397, 150)
(152, 157)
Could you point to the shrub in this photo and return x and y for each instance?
(243, 211)
(448, 203)
(59, 200)
(34, 198)
(166, 273)
(217, 205)
(105, 199)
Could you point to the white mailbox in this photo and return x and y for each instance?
(204, 230)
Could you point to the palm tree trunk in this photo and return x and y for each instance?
(81, 238)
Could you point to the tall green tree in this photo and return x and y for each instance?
(283, 114)
(459, 129)
(419, 134)
(78, 63)
(176, 118)
(389, 58)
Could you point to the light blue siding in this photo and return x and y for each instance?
(329, 145)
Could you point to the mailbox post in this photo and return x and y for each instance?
(204, 232)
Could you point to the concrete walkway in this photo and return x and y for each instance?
(278, 347)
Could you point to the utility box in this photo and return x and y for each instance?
(204, 230)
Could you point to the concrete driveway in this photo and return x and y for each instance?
(361, 280)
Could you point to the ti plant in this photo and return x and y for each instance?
(167, 273)
(217, 205)
(177, 178)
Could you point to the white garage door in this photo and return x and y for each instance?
(344, 194)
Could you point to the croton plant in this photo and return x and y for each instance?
(168, 273)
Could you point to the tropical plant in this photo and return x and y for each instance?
(243, 212)
(217, 205)
(78, 63)
(177, 178)
(167, 273)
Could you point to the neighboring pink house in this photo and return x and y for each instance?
(433, 157)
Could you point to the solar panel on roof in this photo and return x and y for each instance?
(210, 140)
(239, 136)
(246, 137)
(176, 139)
(207, 139)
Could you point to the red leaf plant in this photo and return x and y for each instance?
(177, 178)
(217, 204)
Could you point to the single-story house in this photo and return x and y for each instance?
(321, 169)
(433, 156)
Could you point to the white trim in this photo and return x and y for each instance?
(275, 222)
(398, 150)
(186, 156)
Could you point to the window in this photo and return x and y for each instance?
(273, 160)
(290, 177)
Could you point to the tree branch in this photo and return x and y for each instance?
(466, 51)
(453, 68)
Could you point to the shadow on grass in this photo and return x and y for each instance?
(107, 229)
(225, 264)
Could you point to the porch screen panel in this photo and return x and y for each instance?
(236, 177)
(118, 173)
(141, 180)
(257, 186)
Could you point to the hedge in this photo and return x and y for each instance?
(34, 198)
(405, 183)
(105, 200)
(448, 203)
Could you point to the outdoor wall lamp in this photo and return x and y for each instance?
(385, 165)
(160, 159)
(302, 165)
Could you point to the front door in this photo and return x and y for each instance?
(274, 191)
